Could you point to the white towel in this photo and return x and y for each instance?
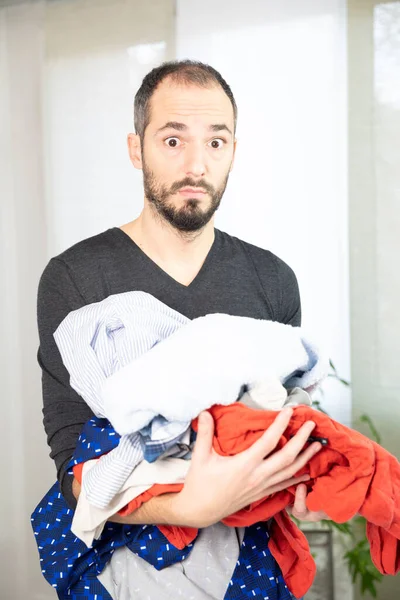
(207, 362)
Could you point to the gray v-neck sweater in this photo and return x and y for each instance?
(236, 278)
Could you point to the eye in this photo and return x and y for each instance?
(217, 143)
(172, 142)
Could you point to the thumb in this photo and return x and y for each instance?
(204, 439)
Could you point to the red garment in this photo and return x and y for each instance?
(351, 475)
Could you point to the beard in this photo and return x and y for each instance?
(191, 216)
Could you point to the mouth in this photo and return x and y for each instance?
(192, 192)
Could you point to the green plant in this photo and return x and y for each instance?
(357, 556)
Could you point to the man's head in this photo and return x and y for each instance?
(185, 122)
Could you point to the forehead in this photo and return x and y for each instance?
(177, 102)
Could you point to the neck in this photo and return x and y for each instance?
(165, 244)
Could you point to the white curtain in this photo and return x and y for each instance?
(25, 467)
(68, 71)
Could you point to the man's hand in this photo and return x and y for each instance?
(217, 486)
(300, 510)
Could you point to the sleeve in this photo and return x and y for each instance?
(290, 304)
(64, 411)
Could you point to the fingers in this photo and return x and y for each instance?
(204, 439)
(291, 454)
(300, 510)
(273, 470)
(270, 438)
(283, 485)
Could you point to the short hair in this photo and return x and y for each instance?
(183, 71)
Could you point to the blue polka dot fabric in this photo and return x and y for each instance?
(71, 568)
(257, 575)
(97, 437)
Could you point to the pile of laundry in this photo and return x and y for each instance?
(147, 372)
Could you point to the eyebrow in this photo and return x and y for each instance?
(182, 127)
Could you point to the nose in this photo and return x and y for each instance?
(195, 160)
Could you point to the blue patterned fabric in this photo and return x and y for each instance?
(97, 437)
(71, 568)
(257, 574)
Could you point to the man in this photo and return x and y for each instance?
(185, 121)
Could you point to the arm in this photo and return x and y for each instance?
(157, 511)
(217, 486)
(290, 304)
(64, 411)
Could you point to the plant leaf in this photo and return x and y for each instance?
(366, 419)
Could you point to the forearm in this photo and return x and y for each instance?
(157, 511)
(160, 510)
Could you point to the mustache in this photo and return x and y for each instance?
(188, 182)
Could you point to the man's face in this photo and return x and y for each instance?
(187, 153)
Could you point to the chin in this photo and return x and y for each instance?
(195, 203)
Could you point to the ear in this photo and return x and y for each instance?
(135, 150)
(234, 154)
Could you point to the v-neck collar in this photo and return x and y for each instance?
(129, 242)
